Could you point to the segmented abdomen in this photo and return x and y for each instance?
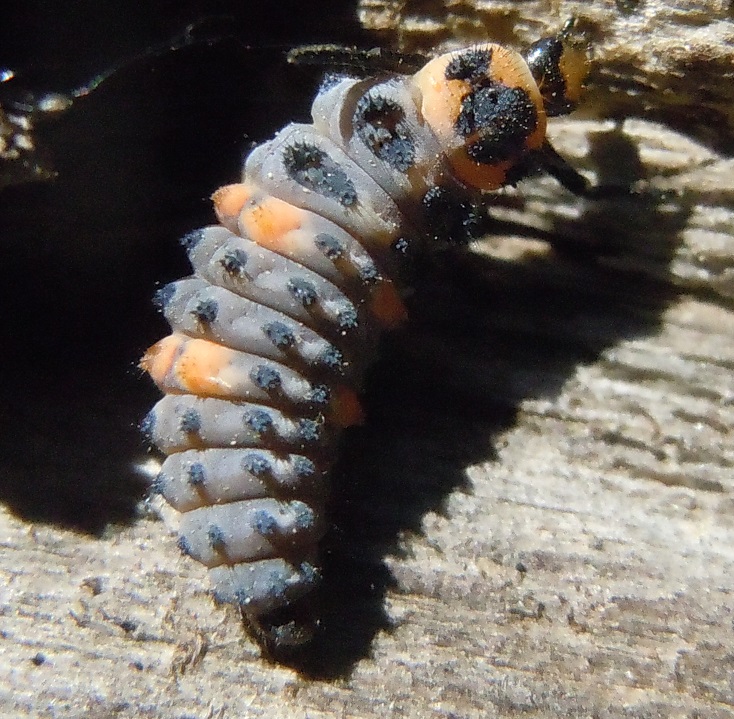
(271, 336)
(289, 294)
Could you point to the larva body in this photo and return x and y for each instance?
(273, 332)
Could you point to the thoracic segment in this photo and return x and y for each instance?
(289, 294)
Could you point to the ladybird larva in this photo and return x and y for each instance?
(290, 293)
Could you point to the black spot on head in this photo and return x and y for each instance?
(234, 262)
(279, 334)
(472, 65)
(302, 290)
(206, 310)
(163, 296)
(265, 377)
(215, 535)
(189, 421)
(191, 239)
(319, 394)
(380, 123)
(309, 430)
(303, 467)
(196, 474)
(330, 246)
(256, 464)
(502, 117)
(258, 420)
(264, 523)
(313, 169)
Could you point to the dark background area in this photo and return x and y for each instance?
(136, 160)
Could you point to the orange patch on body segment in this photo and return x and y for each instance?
(180, 363)
(272, 223)
(160, 357)
(229, 201)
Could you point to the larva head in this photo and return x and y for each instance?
(559, 68)
(486, 110)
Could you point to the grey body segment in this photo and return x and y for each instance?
(180, 422)
(297, 316)
(263, 586)
(377, 122)
(248, 326)
(275, 281)
(305, 246)
(248, 530)
(199, 478)
(249, 378)
(364, 209)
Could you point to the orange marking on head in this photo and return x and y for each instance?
(387, 306)
(346, 409)
(477, 174)
(268, 221)
(441, 105)
(161, 357)
(441, 98)
(229, 201)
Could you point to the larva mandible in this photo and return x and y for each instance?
(290, 292)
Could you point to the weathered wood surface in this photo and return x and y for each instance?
(537, 520)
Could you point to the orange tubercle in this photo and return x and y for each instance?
(475, 174)
(160, 358)
(387, 306)
(181, 364)
(228, 203)
(200, 366)
(268, 221)
(346, 409)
